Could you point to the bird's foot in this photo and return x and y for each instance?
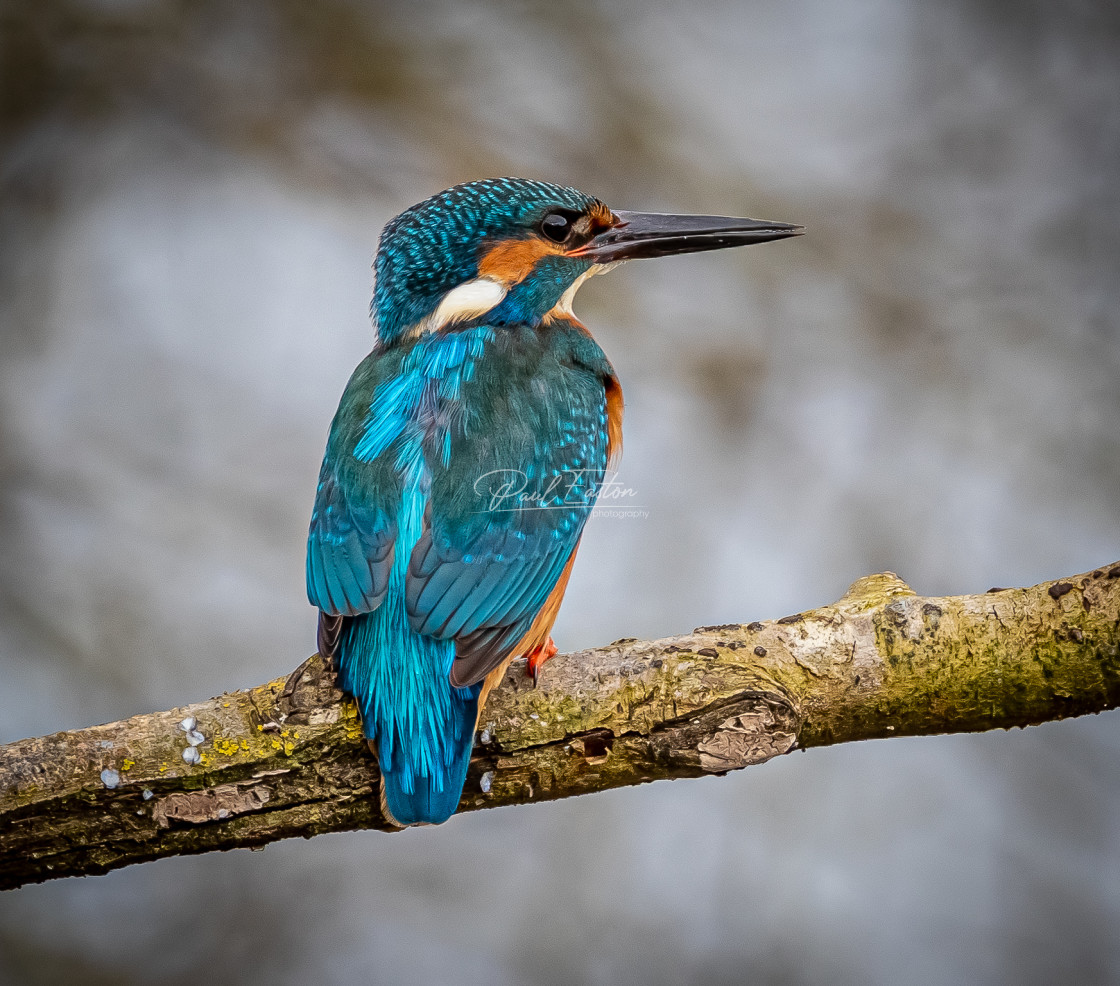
(537, 657)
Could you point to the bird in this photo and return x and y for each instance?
(465, 458)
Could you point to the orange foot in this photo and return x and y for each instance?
(537, 657)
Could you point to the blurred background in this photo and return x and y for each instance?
(929, 382)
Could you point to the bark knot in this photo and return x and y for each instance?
(748, 738)
(210, 805)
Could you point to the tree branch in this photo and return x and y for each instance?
(287, 758)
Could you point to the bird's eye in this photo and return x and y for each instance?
(556, 226)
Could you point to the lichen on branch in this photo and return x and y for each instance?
(287, 758)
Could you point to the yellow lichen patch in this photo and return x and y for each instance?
(128, 764)
(228, 747)
(351, 720)
(284, 743)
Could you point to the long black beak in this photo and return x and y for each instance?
(651, 234)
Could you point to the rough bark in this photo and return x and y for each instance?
(287, 758)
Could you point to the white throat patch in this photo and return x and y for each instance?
(563, 308)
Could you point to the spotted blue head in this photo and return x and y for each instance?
(514, 251)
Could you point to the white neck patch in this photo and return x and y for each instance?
(469, 300)
(563, 308)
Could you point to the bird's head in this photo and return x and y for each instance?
(515, 251)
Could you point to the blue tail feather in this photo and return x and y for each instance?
(411, 798)
(422, 725)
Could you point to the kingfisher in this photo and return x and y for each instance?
(465, 457)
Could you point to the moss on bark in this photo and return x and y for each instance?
(287, 758)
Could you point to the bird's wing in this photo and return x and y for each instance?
(351, 540)
(487, 597)
(349, 551)
(506, 511)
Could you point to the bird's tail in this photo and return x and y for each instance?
(412, 797)
(420, 724)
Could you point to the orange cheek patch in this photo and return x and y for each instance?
(512, 260)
